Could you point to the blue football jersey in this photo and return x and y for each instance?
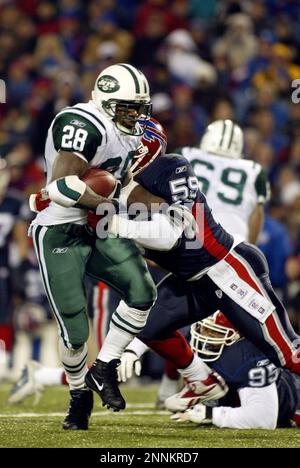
(172, 178)
(243, 365)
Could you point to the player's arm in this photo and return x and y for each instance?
(132, 192)
(258, 410)
(256, 219)
(171, 182)
(66, 188)
(76, 140)
(255, 223)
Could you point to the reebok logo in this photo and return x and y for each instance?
(219, 293)
(60, 250)
(78, 123)
(100, 387)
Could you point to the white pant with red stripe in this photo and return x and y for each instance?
(240, 287)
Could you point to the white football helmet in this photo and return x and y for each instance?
(224, 138)
(121, 92)
(211, 335)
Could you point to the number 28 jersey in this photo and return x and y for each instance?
(91, 136)
(233, 187)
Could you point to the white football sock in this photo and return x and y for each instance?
(114, 344)
(74, 362)
(197, 370)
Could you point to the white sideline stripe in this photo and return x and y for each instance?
(95, 414)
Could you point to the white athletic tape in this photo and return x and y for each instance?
(66, 191)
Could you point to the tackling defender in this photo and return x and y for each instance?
(236, 189)
(218, 272)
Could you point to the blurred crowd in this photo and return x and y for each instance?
(205, 60)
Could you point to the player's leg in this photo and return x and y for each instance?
(62, 256)
(119, 264)
(177, 306)
(33, 380)
(252, 306)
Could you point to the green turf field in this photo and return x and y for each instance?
(140, 425)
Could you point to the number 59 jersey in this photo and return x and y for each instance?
(233, 187)
(171, 177)
(87, 133)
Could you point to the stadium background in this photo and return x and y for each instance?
(204, 61)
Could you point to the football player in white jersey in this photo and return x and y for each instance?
(102, 133)
(236, 189)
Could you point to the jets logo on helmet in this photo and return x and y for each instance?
(153, 144)
(108, 84)
(224, 138)
(121, 92)
(211, 335)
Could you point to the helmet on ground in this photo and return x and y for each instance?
(121, 92)
(211, 335)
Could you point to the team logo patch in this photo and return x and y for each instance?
(264, 362)
(108, 84)
(60, 250)
(242, 293)
(180, 169)
(254, 304)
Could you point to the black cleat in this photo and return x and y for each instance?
(103, 379)
(81, 405)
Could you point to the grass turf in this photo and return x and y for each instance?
(26, 425)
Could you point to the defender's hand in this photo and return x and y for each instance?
(39, 201)
(130, 365)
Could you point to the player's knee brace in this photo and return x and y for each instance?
(130, 319)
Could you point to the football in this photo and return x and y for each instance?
(101, 182)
